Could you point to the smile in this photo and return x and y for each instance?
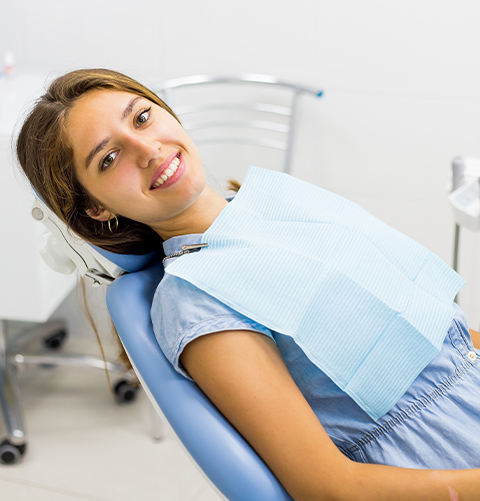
(167, 173)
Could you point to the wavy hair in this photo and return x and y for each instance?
(46, 157)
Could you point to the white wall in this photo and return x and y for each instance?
(401, 84)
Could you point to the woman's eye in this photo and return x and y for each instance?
(108, 160)
(143, 116)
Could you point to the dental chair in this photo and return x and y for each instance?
(230, 465)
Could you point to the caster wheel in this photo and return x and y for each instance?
(55, 341)
(10, 453)
(125, 391)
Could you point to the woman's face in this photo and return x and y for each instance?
(134, 158)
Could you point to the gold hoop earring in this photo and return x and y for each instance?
(116, 224)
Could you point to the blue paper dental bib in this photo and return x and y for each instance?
(369, 306)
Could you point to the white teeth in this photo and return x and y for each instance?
(167, 173)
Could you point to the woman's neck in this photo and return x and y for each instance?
(197, 218)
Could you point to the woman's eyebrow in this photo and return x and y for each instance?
(129, 108)
(101, 145)
(95, 150)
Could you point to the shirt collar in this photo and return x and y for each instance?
(174, 244)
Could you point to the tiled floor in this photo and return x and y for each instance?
(82, 445)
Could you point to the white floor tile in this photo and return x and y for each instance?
(207, 494)
(14, 491)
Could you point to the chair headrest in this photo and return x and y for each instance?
(65, 251)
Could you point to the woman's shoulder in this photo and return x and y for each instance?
(182, 312)
(176, 294)
(180, 302)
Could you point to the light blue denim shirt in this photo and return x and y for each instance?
(413, 434)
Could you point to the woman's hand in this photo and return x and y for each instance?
(244, 375)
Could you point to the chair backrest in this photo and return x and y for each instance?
(233, 468)
(256, 115)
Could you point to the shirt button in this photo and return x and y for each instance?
(472, 356)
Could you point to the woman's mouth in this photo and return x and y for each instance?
(167, 173)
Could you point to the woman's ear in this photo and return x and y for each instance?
(99, 213)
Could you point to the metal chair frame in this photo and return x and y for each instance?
(273, 112)
(14, 352)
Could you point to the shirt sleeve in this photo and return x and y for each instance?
(181, 313)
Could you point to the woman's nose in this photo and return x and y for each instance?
(146, 151)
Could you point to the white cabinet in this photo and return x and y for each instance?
(29, 290)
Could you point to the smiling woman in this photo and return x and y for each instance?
(298, 260)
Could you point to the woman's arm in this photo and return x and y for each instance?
(244, 375)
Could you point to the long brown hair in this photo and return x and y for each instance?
(46, 157)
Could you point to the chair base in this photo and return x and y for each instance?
(12, 355)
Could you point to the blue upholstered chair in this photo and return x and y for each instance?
(227, 460)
